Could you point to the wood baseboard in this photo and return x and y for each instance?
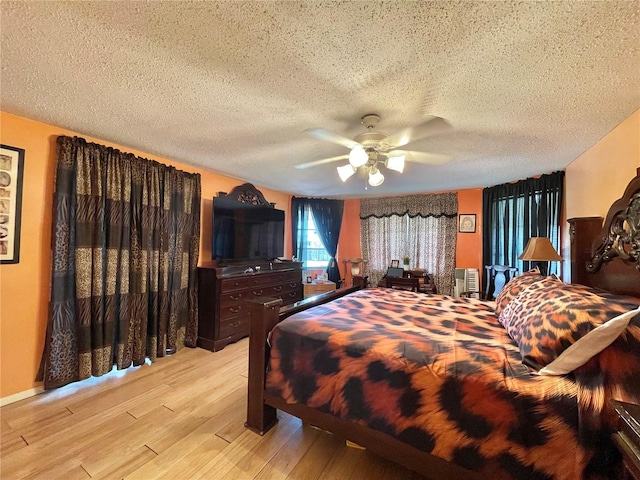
(16, 397)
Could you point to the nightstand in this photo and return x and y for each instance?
(316, 288)
(360, 281)
(627, 437)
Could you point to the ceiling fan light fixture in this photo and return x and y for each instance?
(375, 177)
(395, 163)
(345, 172)
(358, 157)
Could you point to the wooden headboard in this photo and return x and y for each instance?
(614, 262)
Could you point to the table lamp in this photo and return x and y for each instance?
(539, 249)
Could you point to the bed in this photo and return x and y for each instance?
(463, 388)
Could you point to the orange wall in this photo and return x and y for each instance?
(24, 287)
(598, 177)
(469, 245)
(349, 243)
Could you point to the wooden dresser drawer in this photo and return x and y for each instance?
(266, 279)
(234, 326)
(233, 310)
(231, 284)
(289, 297)
(291, 286)
(229, 299)
(257, 292)
(294, 276)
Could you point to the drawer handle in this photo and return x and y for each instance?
(278, 288)
(235, 324)
(235, 297)
(257, 293)
(235, 309)
(292, 294)
(293, 284)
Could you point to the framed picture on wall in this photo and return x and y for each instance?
(11, 167)
(467, 223)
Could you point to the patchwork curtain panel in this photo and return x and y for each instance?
(125, 244)
(422, 227)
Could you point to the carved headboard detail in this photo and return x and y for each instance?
(620, 235)
(247, 193)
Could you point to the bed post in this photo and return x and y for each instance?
(264, 316)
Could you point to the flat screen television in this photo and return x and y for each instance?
(243, 231)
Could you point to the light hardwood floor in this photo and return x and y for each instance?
(180, 418)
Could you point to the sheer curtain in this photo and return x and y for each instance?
(515, 212)
(126, 238)
(422, 227)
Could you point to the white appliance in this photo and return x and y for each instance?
(467, 280)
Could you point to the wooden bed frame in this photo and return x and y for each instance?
(615, 265)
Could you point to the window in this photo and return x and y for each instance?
(313, 254)
(515, 212)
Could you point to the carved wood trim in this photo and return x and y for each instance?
(620, 235)
(247, 193)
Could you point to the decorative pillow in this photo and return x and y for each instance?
(549, 316)
(615, 371)
(590, 345)
(515, 286)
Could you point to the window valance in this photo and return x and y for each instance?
(428, 205)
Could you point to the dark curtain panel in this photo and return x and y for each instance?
(327, 216)
(125, 245)
(299, 222)
(515, 212)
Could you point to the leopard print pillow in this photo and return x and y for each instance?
(515, 286)
(549, 316)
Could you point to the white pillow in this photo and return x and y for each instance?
(591, 344)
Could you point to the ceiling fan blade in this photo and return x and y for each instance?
(417, 132)
(327, 136)
(420, 157)
(315, 163)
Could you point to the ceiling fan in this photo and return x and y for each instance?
(372, 148)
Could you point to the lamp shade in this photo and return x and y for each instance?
(396, 163)
(375, 177)
(358, 157)
(540, 248)
(345, 172)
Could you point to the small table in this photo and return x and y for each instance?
(316, 288)
(627, 438)
(426, 284)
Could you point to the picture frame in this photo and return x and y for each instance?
(11, 172)
(467, 223)
(395, 263)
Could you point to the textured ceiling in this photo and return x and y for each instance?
(232, 86)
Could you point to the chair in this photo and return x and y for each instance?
(402, 283)
(497, 277)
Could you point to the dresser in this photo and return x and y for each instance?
(223, 293)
